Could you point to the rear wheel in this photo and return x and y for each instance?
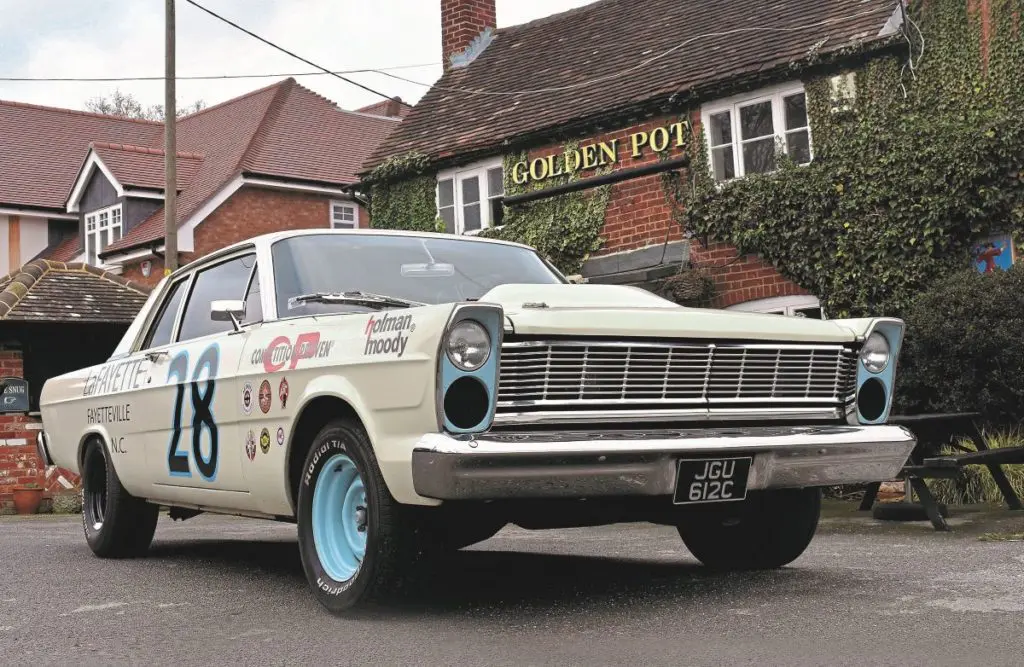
(768, 530)
(356, 543)
(116, 524)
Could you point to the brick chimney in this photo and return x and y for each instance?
(461, 22)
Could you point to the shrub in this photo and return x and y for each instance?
(964, 350)
(975, 485)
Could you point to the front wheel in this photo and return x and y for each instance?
(768, 530)
(355, 541)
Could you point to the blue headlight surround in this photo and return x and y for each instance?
(492, 318)
(893, 330)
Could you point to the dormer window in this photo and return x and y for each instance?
(102, 228)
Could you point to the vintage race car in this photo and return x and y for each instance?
(400, 394)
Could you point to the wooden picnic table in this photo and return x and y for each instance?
(926, 461)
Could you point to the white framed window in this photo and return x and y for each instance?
(743, 132)
(102, 228)
(793, 306)
(344, 215)
(467, 196)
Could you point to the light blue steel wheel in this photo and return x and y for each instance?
(340, 518)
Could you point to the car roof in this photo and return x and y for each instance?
(273, 237)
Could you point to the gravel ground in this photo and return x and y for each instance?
(217, 590)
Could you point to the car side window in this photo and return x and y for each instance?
(226, 280)
(253, 300)
(163, 326)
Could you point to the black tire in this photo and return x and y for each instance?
(391, 537)
(768, 530)
(116, 523)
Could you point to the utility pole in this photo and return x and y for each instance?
(170, 147)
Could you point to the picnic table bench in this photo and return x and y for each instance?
(933, 431)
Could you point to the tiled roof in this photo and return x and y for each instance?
(49, 291)
(42, 149)
(143, 167)
(66, 250)
(392, 107)
(283, 131)
(588, 63)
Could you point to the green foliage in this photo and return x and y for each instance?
(402, 194)
(901, 185)
(565, 229)
(964, 350)
(974, 485)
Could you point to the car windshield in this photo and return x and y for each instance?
(422, 269)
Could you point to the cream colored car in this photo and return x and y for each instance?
(400, 394)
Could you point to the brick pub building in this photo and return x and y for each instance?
(618, 77)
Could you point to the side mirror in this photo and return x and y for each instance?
(577, 279)
(228, 310)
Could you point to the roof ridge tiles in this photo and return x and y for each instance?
(149, 150)
(236, 99)
(78, 112)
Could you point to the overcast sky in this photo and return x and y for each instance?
(111, 38)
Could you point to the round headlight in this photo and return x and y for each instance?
(468, 345)
(875, 353)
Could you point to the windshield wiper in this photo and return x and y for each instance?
(355, 298)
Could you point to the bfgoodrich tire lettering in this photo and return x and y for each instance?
(389, 535)
(768, 530)
(116, 524)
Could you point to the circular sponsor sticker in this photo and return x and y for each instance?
(282, 392)
(280, 435)
(247, 398)
(265, 441)
(250, 445)
(266, 397)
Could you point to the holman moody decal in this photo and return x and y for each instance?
(388, 325)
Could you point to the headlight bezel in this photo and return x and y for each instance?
(485, 347)
(874, 367)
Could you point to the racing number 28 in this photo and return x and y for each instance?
(202, 415)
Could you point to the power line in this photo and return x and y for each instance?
(207, 77)
(643, 63)
(293, 55)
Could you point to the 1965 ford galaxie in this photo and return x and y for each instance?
(400, 394)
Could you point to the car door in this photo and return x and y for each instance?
(192, 390)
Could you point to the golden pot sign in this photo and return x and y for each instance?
(600, 154)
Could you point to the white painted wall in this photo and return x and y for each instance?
(34, 237)
(4, 269)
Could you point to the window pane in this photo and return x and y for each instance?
(759, 156)
(116, 216)
(160, 334)
(471, 217)
(253, 304)
(90, 244)
(445, 193)
(721, 128)
(115, 233)
(756, 120)
(796, 111)
(723, 164)
(798, 146)
(224, 281)
(448, 215)
(470, 190)
(495, 182)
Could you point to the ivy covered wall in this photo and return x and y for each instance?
(929, 158)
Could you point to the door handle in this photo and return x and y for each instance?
(155, 355)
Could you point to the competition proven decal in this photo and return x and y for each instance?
(282, 351)
(388, 334)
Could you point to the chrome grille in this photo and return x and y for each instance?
(577, 374)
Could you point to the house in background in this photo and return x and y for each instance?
(82, 224)
(619, 76)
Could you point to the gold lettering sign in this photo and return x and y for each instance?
(600, 154)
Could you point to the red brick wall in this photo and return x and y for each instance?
(639, 215)
(462, 21)
(247, 213)
(19, 463)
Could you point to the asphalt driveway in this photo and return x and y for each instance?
(225, 590)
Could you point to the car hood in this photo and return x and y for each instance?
(616, 310)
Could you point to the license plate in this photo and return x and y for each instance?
(711, 480)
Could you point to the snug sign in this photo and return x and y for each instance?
(600, 154)
(14, 397)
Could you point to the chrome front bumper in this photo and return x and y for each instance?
(643, 463)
